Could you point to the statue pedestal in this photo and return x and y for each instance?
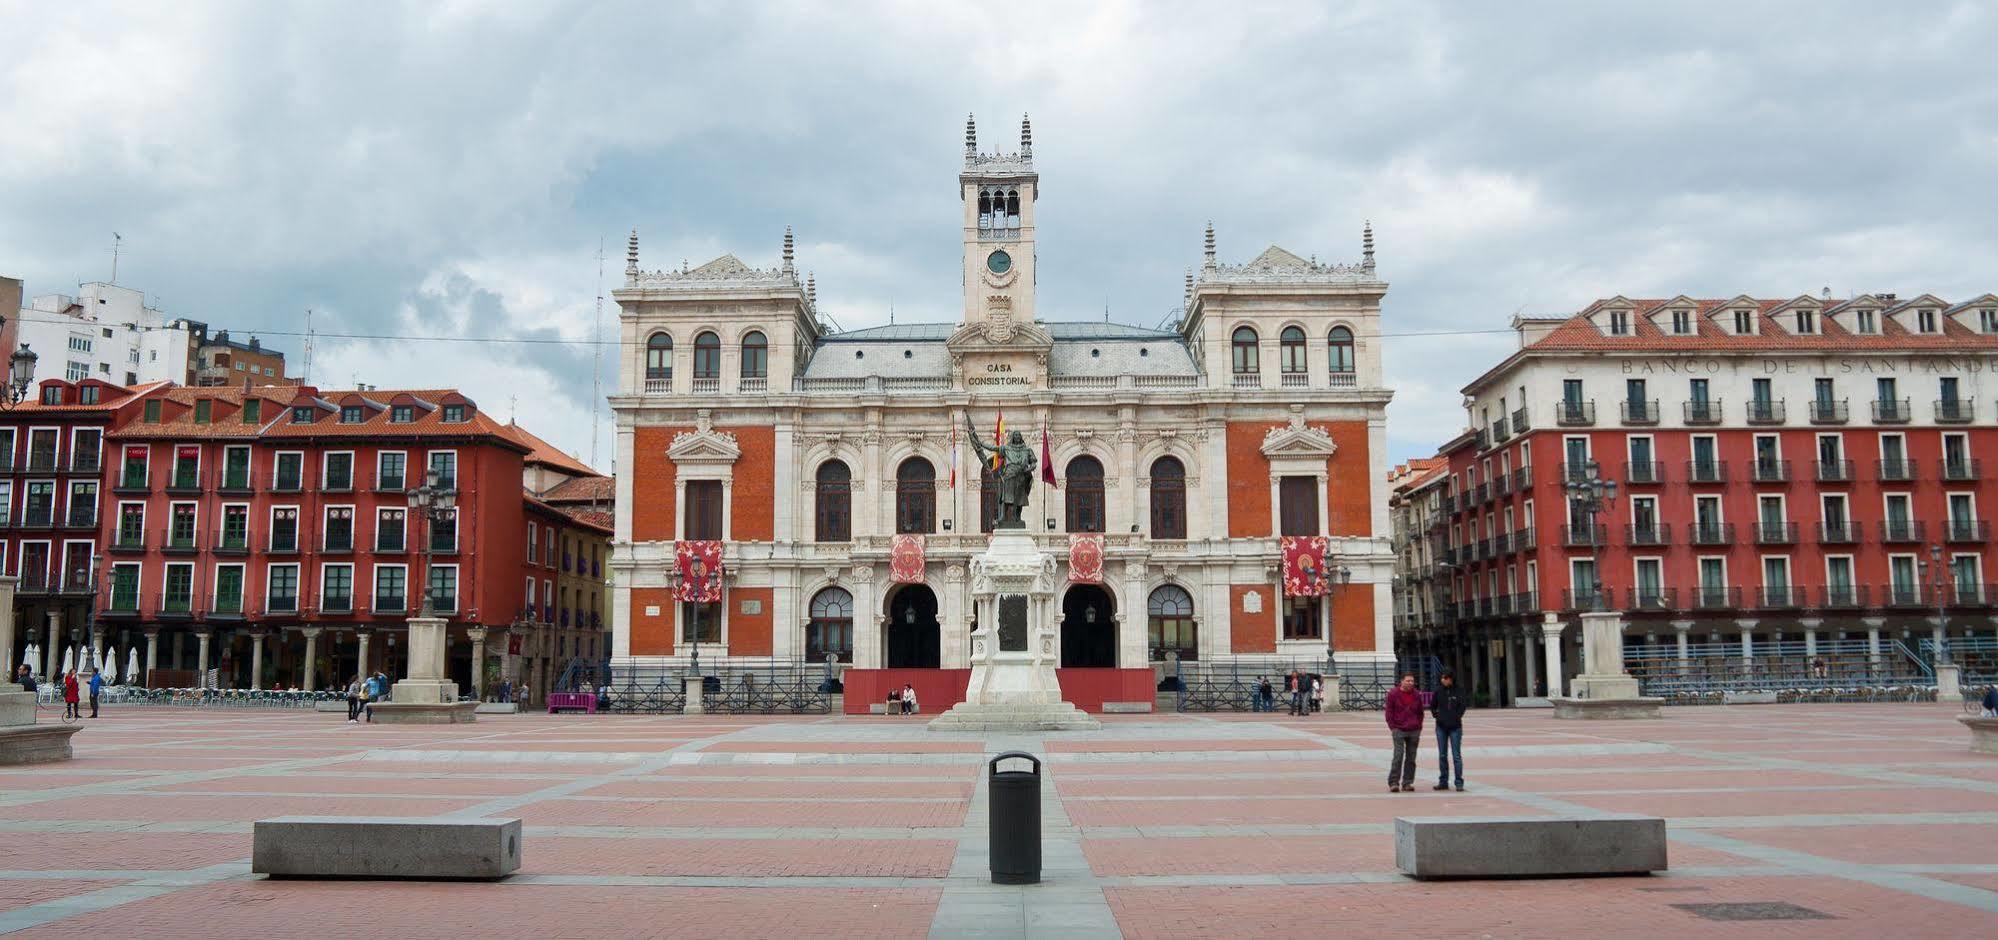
(425, 697)
(1604, 689)
(1013, 651)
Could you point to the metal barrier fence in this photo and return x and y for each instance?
(197, 698)
(1836, 671)
(1236, 685)
(755, 687)
(1977, 656)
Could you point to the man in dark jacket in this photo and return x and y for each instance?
(1449, 705)
(1404, 721)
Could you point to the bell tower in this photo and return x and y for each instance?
(999, 192)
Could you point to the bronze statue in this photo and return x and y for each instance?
(1015, 474)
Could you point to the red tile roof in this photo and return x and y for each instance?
(590, 489)
(111, 398)
(595, 519)
(225, 418)
(428, 418)
(1773, 333)
(540, 451)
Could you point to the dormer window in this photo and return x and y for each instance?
(402, 414)
(203, 411)
(1807, 321)
(1682, 322)
(352, 414)
(1925, 321)
(301, 415)
(1987, 321)
(1863, 322)
(87, 395)
(1619, 323)
(52, 395)
(1744, 322)
(454, 414)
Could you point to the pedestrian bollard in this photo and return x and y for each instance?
(1014, 811)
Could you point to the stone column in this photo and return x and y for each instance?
(7, 586)
(478, 635)
(1810, 625)
(1550, 634)
(201, 659)
(1873, 625)
(361, 662)
(1528, 638)
(1132, 634)
(867, 638)
(1937, 639)
(312, 657)
(1682, 628)
(256, 659)
(1747, 628)
(1477, 661)
(53, 652)
(152, 654)
(424, 682)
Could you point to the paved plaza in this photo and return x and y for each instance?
(1846, 820)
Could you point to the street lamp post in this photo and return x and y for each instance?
(435, 502)
(20, 373)
(1937, 577)
(1592, 494)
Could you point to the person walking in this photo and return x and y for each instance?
(354, 689)
(1449, 706)
(69, 695)
(1295, 686)
(96, 689)
(1404, 721)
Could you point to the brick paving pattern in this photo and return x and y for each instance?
(1878, 818)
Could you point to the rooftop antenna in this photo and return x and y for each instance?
(512, 403)
(891, 311)
(597, 362)
(308, 346)
(117, 241)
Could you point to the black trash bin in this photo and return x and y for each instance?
(1014, 811)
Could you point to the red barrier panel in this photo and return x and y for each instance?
(936, 689)
(1088, 689)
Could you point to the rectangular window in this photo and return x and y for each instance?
(178, 597)
(42, 449)
(700, 623)
(704, 510)
(1298, 505)
(339, 471)
(1987, 321)
(1302, 619)
(1682, 322)
(228, 589)
(253, 411)
(336, 591)
(444, 464)
(1864, 321)
(1571, 392)
(444, 588)
(38, 510)
(288, 472)
(203, 410)
(284, 529)
(1697, 390)
(282, 596)
(86, 449)
(1761, 391)
(131, 525)
(186, 467)
(1903, 580)
(133, 474)
(1744, 322)
(444, 532)
(353, 414)
(402, 414)
(1807, 321)
(181, 526)
(1650, 587)
(339, 528)
(391, 588)
(1886, 390)
(389, 530)
(389, 470)
(454, 414)
(1925, 321)
(1582, 582)
(1838, 580)
(1619, 323)
(236, 468)
(235, 528)
(302, 414)
(533, 543)
(82, 507)
(152, 411)
(125, 587)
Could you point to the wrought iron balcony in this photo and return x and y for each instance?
(1834, 471)
(1962, 468)
(1704, 412)
(1522, 540)
(1522, 478)
(1906, 595)
(1640, 412)
(1892, 411)
(1714, 598)
(1955, 410)
(1903, 530)
(1711, 533)
(1766, 411)
(1644, 472)
(1584, 535)
(1770, 471)
(1657, 533)
(1838, 533)
(1652, 598)
(1576, 472)
(1780, 597)
(1574, 414)
(1970, 594)
(1895, 469)
(1826, 411)
(1584, 599)
(1499, 431)
(1775, 533)
(1842, 596)
(1967, 530)
(179, 542)
(1706, 471)
(226, 542)
(1519, 422)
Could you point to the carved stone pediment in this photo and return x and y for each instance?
(705, 446)
(1298, 440)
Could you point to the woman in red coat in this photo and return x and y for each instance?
(69, 698)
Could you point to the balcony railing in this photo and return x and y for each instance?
(1640, 412)
(1895, 469)
(1842, 596)
(703, 386)
(1522, 478)
(1703, 412)
(132, 481)
(1892, 411)
(184, 480)
(1652, 598)
(1499, 432)
(1706, 471)
(226, 542)
(1659, 533)
(1780, 597)
(1711, 533)
(1519, 422)
(1824, 411)
(1577, 472)
(1775, 533)
(1903, 530)
(85, 463)
(1583, 599)
(281, 603)
(1838, 533)
(1955, 410)
(228, 606)
(1905, 595)
(1766, 411)
(1574, 414)
(179, 542)
(1963, 468)
(235, 482)
(1584, 535)
(125, 540)
(339, 542)
(659, 385)
(1834, 471)
(390, 603)
(1714, 598)
(1770, 471)
(336, 603)
(1644, 472)
(1522, 540)
(1967, 530)
(1239, 380)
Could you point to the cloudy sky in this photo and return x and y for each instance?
(446, 170)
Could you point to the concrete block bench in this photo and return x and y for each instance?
(1528, 846)
(416, 847)
(497, 708)
(1983, 733)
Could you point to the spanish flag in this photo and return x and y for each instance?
(998, 439)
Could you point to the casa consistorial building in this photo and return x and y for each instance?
(1218, 488)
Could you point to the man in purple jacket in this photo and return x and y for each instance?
(1404, 720)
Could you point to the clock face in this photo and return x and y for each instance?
(998, 262)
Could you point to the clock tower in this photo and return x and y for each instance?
(999, 192)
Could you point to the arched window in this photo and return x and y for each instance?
(1170, 626)
(1341, 344)
(830, 629)
(1085, 495)
(1292, 344)
(834, 503)
(659, 358)
(707, 356)
(1247, 360)
(755, 356)
(1168, 498)
(915, 496)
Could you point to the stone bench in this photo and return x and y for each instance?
(1983, 733)
(497, 708)
(1762, 697)
(385, 847)
(1528, 846)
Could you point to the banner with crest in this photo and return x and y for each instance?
(905, 559)
(1085, 558)
(700, 566)
(1304, 565)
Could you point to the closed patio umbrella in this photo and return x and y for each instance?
(132, 666)
(68, 660)
(110, 665)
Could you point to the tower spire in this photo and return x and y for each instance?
(1188, 297)
(631, 258)
(970, 138)
(1026, 138)
(1210, 243)
(1367, 246)
(811, 290)
(787, 250)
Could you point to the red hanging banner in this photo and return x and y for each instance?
(1304, 565)
(1085, 559)
(905, 559)
(700, 565)
(187, 452)
(135, 452)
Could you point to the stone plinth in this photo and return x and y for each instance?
(424, 713)
(426, 697)
(36, 744)
(1529, 847)
(363, 847)
(1604, 689)
(1014, 651)
(1983, 734)
(1587, 708)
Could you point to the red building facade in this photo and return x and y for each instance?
(1791, 474)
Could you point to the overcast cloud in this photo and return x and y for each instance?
(447, 169)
